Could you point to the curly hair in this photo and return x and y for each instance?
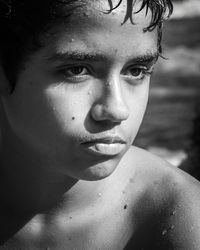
(21, 21)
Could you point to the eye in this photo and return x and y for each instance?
(137, 72)
(75, 71)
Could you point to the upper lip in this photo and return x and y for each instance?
(106, 140)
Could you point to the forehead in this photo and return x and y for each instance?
(91, 27)
(104, 12)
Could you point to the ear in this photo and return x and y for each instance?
(5, 88)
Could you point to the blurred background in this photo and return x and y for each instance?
(171, 127)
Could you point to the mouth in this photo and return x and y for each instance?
(108, 146)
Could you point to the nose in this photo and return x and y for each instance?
(111, 105)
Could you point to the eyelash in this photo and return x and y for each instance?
(143, 72)
(75, 77)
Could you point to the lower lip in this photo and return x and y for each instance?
(107, 149)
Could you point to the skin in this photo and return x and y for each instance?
(116, 104)
(67, 195)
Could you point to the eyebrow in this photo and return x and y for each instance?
(76, 55)
(150, 57)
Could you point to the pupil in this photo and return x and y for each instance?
(135, 72)
(77, 70)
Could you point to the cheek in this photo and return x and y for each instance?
(61, 105)
(137, 105)
(67, 106)
(138, 99)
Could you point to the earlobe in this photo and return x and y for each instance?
(5, 88)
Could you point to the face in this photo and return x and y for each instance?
(79, 101)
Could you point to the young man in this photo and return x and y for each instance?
(74, 87)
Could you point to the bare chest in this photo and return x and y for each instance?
(94, 229)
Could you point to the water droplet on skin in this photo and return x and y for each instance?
(173, 212)
(164, 232)
(100, 194)
(125, 206)
(72, 40)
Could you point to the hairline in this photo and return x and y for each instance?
(33, 42)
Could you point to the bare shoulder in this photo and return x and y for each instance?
(152, 168)
(157, 174)
(170, 200)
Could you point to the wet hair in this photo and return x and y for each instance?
(22, 21)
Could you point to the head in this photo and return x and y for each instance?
(79, 75)
(21, 22)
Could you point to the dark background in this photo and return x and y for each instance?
(169, 124)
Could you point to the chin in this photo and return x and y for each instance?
(97, 171)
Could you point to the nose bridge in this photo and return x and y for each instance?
(113, 94)
(112, 104)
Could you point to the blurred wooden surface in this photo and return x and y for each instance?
(175, 88)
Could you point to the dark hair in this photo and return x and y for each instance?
(21, 21)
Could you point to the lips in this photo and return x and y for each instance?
(108, 146)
